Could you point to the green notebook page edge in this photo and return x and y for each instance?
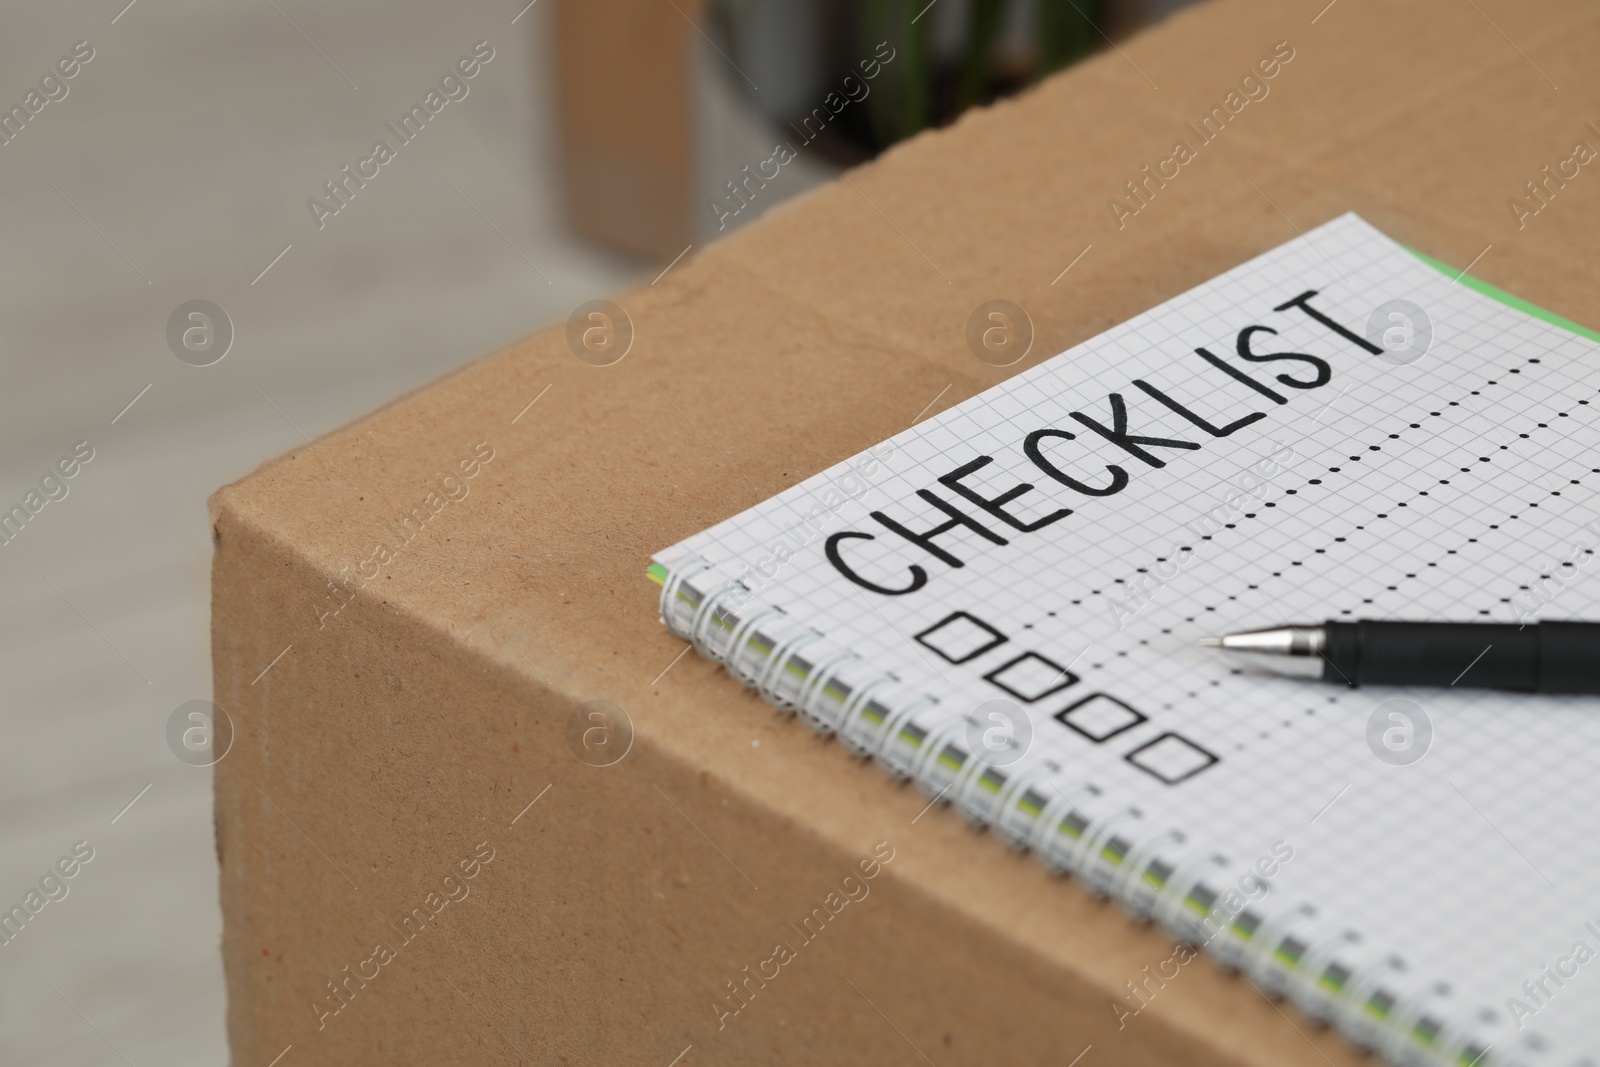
(1506, 298)
(658, 574)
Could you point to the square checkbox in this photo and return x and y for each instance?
(959, 637)
(1099, 717)
(1171, 758)
(1031, 677)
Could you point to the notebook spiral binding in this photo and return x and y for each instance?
(1155, 874)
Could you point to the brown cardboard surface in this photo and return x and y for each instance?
(396, 735)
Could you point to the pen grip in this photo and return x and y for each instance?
(1546, 657)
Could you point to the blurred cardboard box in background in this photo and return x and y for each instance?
(671, 113)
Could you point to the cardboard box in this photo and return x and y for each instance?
(413, 617)
(625, 108)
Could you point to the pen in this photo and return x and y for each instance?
(1543, 657)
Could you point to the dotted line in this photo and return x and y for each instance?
(1422, 493)
(1318, 481)
(1339, 540)
(1410, 575)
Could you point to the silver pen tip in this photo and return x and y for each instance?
(1292, 650)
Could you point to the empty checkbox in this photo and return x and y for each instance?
(1171, 758)
(959, 637)
(1031, 677)
(1099, 717)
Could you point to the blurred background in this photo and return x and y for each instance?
(595, 143)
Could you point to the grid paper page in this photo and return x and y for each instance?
(1329, 483)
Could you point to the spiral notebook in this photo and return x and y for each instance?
(1002, 603)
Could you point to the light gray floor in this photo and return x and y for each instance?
(181, 160)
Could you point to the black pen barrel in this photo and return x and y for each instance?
(1546, 657)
